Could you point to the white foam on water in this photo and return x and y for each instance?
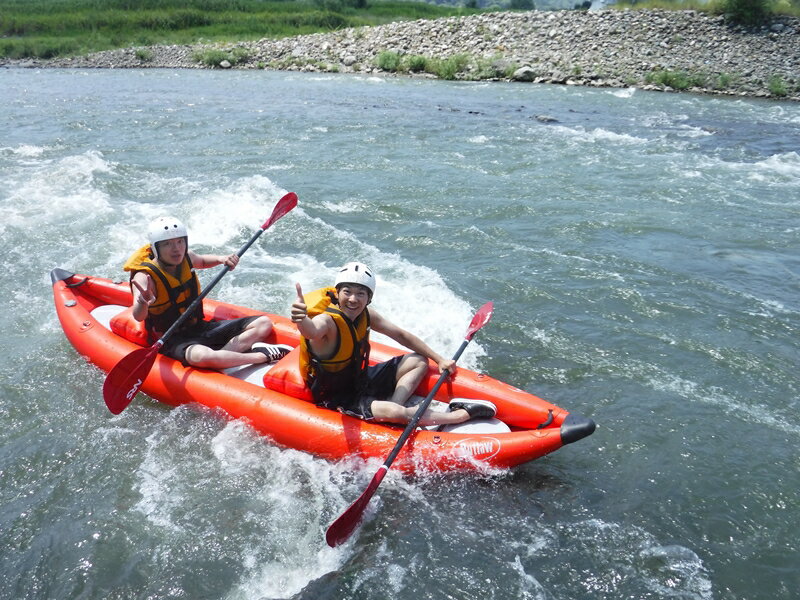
(24, 150)
(530, 585)
(784, 165)
(630, 552)
(217, 216)
(693, 132)
(344, 206)
(598, 135)
(750, 412)
(279, 499)
(778, 169)
(57, 192)
(412, 296)
(157, 477)
(298, 496)
(623, 93)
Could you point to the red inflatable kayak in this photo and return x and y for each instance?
(273, 398)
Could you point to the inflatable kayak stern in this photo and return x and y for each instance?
(576, 427)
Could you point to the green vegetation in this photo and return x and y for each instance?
(446, 68)
(144, 55)
(724, 81)
(744, 12)
(214, 57)
(50, 28)
(698, 5)
(777, 87)
(677, 80)
(390, 61)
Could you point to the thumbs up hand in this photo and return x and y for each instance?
(299, 308)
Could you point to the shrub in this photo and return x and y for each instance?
(210, 58)
(777, 87)
(724, 81)
(449, 67)
(144, 55)
(38, 47)
(213, 57)
(389, 61)
(748, 12)
(678, 80)
(416, 64)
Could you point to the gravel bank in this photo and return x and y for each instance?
(608, 48)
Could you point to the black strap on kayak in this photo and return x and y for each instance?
(77, 283)
(548, 421)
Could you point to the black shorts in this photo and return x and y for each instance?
(381, 381)
(212, 334)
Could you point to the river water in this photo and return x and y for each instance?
(642, 253)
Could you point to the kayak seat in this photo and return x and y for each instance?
(125, 326)
(285, 377)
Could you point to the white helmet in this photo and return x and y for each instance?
(164, 228)
(356, 272)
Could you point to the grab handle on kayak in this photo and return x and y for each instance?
(548, 421)
(77, 283)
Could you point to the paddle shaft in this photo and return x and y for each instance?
(343, 527)
(423, 406)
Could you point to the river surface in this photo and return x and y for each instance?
(643, 254)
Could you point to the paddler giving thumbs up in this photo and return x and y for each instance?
(335, 323)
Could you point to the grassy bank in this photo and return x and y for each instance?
(50, 28)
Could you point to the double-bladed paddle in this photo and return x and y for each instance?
(343, 527)
(124, 380)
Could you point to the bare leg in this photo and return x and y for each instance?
(257, 331)
(389, 412)
(236, 352)
(410, 373)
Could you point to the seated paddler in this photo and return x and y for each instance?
(164, 284)
(335, 324)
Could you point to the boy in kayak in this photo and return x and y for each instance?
(334, 356)
(164, 284)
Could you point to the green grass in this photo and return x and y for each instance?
(214, 57)
(777, 86)
(49, 28)
(443, 68)
(748, 12)
(677, 80)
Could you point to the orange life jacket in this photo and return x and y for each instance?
(337, 379)
(173, 294)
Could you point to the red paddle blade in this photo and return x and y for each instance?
(480, 319)
(284, 205)
(124, 380)
(343, 527)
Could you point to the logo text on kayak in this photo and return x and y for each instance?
(480, 448)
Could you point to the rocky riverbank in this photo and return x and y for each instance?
(652, 49)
